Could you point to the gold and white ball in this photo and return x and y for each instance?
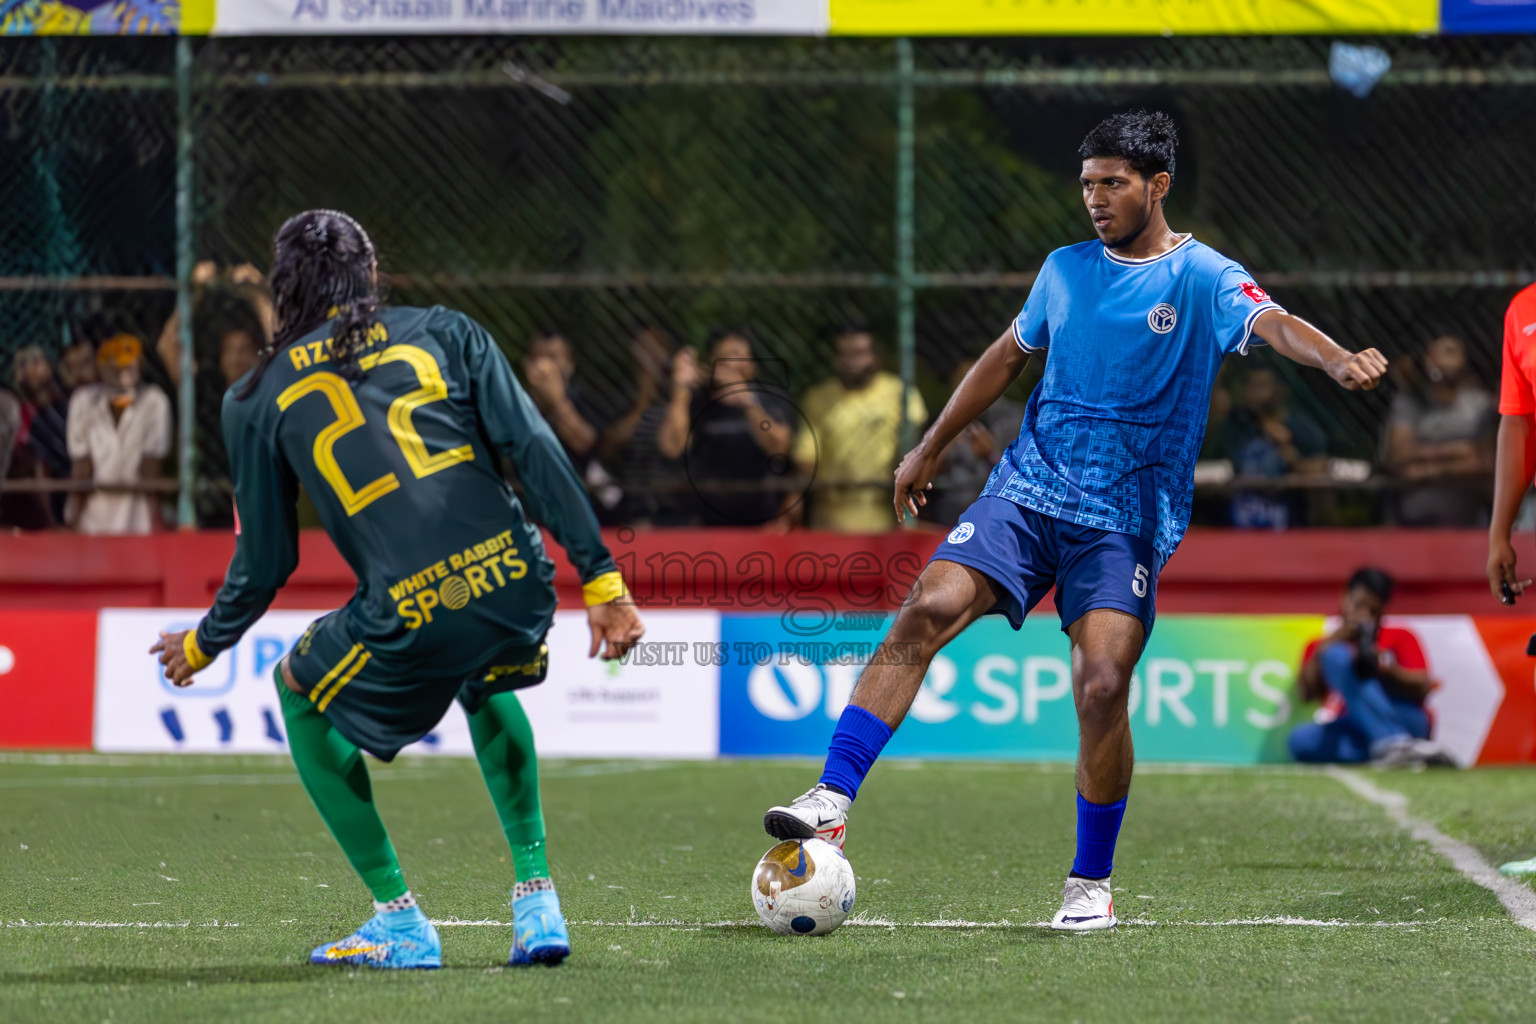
(803, 887)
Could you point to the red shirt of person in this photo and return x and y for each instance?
(1515, 463)
(1373, 680)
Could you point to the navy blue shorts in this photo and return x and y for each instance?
(1027, 553)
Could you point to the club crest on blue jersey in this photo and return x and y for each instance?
(960, 534)
(1163, 318)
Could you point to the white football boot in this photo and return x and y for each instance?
(819, 813)
(1087, 905)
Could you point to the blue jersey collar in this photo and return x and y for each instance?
(1126, 261)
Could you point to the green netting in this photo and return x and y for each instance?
(596, 183)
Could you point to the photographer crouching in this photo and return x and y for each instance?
(1372, 681)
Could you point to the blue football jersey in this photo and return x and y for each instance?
(1111, 433)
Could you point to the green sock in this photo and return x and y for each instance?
(336, 779)
(504, 747)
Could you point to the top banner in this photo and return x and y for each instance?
(1488, 16)
(522, 17)
(1131, 17)
(765, 17)
(106, 17)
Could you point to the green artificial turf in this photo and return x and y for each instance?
(1494, 809)
(227, 879)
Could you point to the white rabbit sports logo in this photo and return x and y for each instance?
(960, 534)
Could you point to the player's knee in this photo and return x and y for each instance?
(925, 620)
(1103, 690)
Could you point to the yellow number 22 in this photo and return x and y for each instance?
(349, 416)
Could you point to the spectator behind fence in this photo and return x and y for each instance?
(239, 352)
(965, 465)
(549, 370)
(654, 486)
(10, 428)
(77, 366)
(228, 304)
(119, 431)
(1372, 680)
(232, 321)
(1263, 438)
(854, 437)
(1442, 427)
(741, 435)
(42, 450)
(44, 408)
(228, 350)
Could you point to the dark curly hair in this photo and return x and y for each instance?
(323, 265)
(1375, 581)
(1145, 141)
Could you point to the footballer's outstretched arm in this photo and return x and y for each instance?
(1300, 342)
(998, 367)
(1514, 468)
(266, 547)
(552, 491)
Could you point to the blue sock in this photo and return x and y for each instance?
(856, 742)
(1098, 826)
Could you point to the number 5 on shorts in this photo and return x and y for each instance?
(1139, 582)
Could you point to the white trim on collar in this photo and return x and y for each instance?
(1126, 261)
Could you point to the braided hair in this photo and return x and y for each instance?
(323, 266)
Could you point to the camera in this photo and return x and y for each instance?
(1367, 654)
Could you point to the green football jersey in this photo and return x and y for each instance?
(402, 465)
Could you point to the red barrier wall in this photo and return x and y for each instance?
(1438, 572)
(47, 679)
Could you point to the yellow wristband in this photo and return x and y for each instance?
(195, 656)
(607, 587)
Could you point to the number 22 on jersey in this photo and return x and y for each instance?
(349, 417)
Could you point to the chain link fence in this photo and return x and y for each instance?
(596, 185)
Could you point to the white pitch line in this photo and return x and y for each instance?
(1517, 897)
(880, 922)
(857, 922)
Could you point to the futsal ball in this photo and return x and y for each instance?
(803, 887)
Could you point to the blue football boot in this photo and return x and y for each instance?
(400, 940)
(538, 930)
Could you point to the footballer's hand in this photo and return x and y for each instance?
(172, 648)
(618, 623)
(1501, 571)
(914, 479)
(1361, 371)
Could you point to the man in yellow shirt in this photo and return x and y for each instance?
(854, 437)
